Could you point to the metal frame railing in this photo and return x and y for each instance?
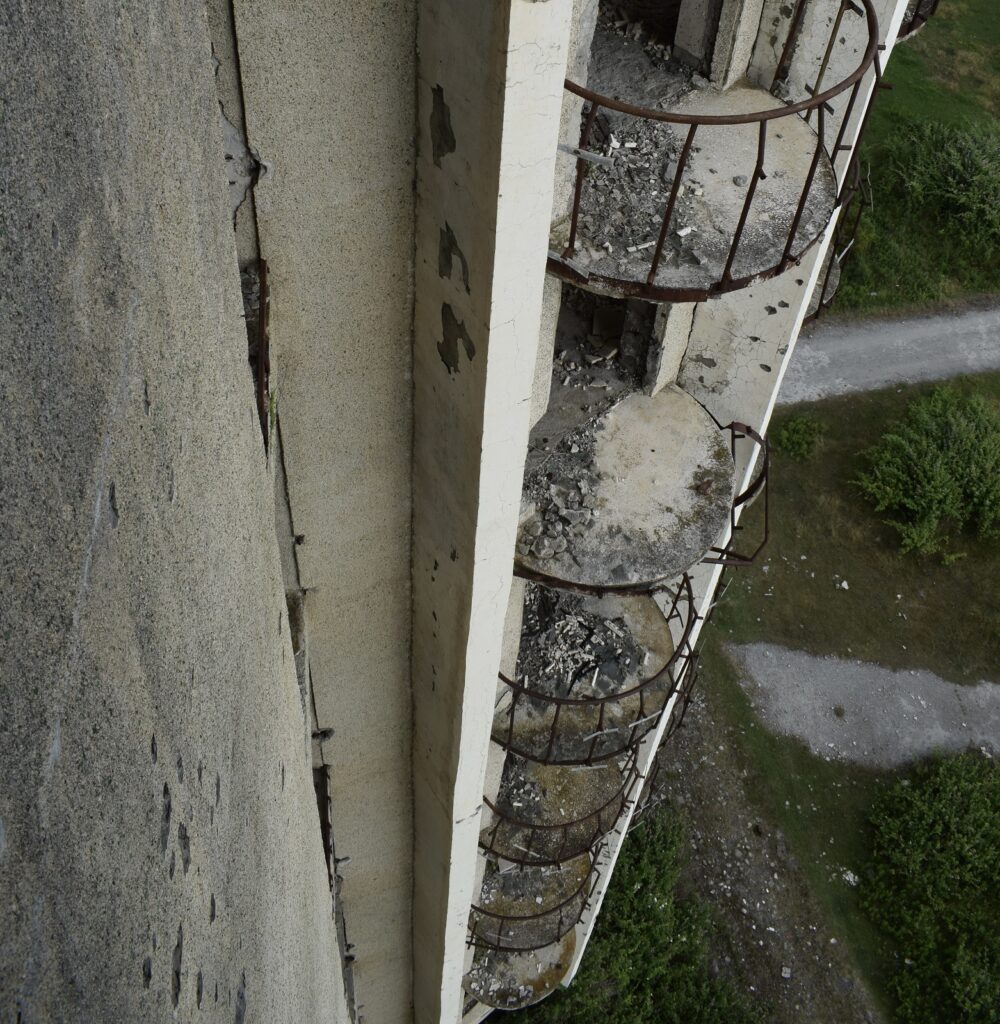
(558, 842)
(605, 727)
(818, 102)
(856, 201)
(544, 926)
(759, 485)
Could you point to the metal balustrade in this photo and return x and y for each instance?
(553, 729)
(657, 282)
(518, 838)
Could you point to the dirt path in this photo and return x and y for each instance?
(839, 357)
(772, 931)
(854, 711)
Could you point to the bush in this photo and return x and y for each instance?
(932, 887)
(937, 471)
(647, 960)
(951, 173)
(797, 437)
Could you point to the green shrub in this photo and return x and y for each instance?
(797, 437)
(937, 471)
(933, 888)
(647, 962)
(951, 173)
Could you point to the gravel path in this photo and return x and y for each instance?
(855, 711)
(837, 357)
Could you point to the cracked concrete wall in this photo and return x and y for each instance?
(488, 130)
(160, 854)
(329, 96)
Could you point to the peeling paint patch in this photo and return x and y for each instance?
(448, 248)
(442, 136)
(453, 331)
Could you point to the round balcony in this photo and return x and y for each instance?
(622, 493)
(511, 981)
(548, 814)
(528, 908)
(594, 675)
(683, 191)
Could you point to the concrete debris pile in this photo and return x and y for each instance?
(569, 651)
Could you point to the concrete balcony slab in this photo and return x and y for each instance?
(623, 492)
(512, 981)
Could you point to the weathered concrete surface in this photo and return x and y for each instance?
(841, 357)
(329, 93)
(160, 844)
(490, 94)
(863, 713)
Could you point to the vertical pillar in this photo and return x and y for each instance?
(489, 96)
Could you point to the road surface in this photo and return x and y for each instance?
(836, 358)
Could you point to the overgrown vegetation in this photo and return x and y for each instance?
(797, 437)
(932, 158)
(937, 471)
(950, 172)
(647, 962)
(900, 611)
(932, 887)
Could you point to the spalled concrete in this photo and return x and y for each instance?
(161, 856)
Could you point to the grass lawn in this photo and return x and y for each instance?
(904, 259)
(900, 611)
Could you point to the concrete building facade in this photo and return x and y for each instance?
(385, 386)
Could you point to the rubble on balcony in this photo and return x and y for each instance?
(622, 491)
(545, 814)
(593, 675)
(511, 981)
(521, 908)
(623, 206)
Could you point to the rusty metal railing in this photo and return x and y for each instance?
(685, 691)
(551, 729)
(652, 795)
(917, 15)
(528, 931)
(656, 286)
(856, 201)
(532, 843)
(728, 555)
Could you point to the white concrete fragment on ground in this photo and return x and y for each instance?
(859, 712)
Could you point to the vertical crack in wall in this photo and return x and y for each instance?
(245, 169)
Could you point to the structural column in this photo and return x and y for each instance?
(489, 97)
